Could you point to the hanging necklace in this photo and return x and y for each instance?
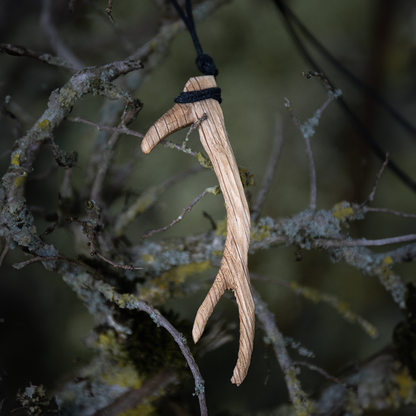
(201, 100)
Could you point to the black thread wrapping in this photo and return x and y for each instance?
(193, 96)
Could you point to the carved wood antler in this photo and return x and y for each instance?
(233, 273)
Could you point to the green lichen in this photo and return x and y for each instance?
(20, 180)
(391, 281)
(44, 124)
(150, 346)
(299, 397)
(16, 158)
(67, 97)
(342, 211)
(340, 306)
(170, 283)
(247, 178)
(119, 368)
(140, 410)
(216, 190)
(262, 229)
(148, 258)
(203, 161)
(406, 385)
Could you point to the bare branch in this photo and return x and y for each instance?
(271, 168)
(116, 265)
(58, 258)
(389, 211)
(319, 242)
(372, 193)
(319, 75)
(17, 50)
(109, 9)
(185, 210)
(101, 127)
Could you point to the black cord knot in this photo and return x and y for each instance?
(200, 95)
(206, 65)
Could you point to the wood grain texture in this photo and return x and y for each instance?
(233, 273)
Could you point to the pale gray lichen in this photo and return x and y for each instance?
(335, 94)
(199, 389)
(290, 342)
(308, 128)
(302, 229)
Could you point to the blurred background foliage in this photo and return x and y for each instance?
(43, 323)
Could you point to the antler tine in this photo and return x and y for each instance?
(177, 118)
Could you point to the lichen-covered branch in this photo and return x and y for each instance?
(15, 218)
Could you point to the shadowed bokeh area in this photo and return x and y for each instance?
(43, 323)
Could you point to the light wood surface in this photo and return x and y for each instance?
(233, 273)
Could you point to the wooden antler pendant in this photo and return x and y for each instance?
(233, 273)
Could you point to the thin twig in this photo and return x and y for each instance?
(193, 127)
(389, 211)
(372, 193)
(17, 50)
(172, 145)
(325, 374)
(89, 229)
(306, 135)
(271, 168)
(319, 75)
(185, 210)
(116, 265)
(109, 9)
(58, 258)
(312, 173)
(320, 242)
(101, 127)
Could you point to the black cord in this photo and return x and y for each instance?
(365, 134)
(204, 62)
